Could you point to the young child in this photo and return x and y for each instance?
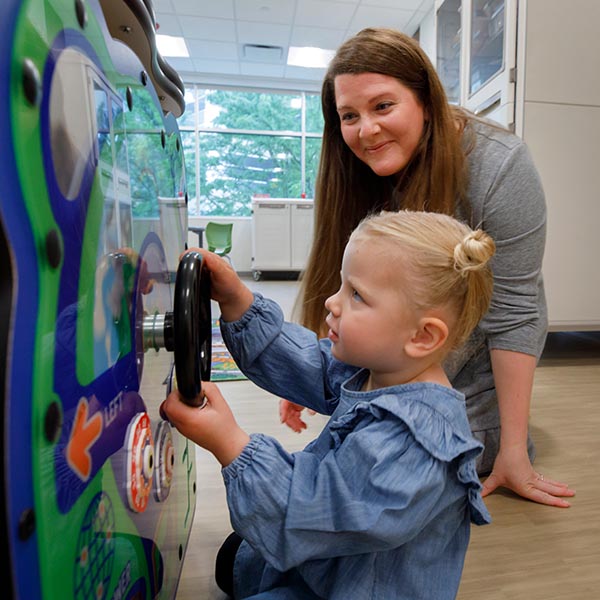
(380, 504)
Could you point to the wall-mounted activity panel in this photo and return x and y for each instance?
(98, 492)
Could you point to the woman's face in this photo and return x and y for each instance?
(381, 120)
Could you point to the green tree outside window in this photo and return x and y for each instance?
(236, 164)
(233, 163)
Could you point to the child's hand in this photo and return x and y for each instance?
(212, 427)
(227, 288)
(290, 414)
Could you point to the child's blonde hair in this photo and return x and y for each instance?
(447, 262)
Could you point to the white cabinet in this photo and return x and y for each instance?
(558, 115)
(537, 75)
(301, 227)
(282, 231)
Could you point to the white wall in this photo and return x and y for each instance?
(559, 118)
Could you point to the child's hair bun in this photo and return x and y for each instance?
(473, 252)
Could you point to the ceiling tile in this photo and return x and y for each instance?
(316, 36)
(265, 11)
(212, 49)
(222, 67)
(180, 64)
(370, 16)
(315, 75)
(315, 13)
(202, 28)
(168, 24)
(263, 69)
(263, 33)
(164, 6)
(223, 9)
(398, 4)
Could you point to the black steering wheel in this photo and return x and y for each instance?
(192, 327)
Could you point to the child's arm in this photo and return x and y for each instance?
(284, 358)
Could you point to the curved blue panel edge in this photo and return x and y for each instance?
(17, 416)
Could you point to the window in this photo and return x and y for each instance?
(238, 144)
(487, 42)
(448, 48)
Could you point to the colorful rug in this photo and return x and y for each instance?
(223, 367)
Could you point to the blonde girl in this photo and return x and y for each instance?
(380, 505)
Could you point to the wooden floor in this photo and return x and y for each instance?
(529, 552)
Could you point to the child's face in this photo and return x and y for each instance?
(369, 317)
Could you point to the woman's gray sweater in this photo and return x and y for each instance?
(507, 201)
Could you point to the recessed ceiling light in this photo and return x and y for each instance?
(170, 45)
(307, 56)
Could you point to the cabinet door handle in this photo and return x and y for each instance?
(272, 205)
(487, 106)
(304, 207)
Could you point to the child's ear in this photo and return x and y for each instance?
(430, 336)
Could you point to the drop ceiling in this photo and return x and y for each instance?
(245, 42)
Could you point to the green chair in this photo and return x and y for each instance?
(218, 238)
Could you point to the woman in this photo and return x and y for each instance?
(391, 141)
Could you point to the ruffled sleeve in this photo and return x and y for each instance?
(436, 418)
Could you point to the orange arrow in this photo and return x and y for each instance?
(83, 435)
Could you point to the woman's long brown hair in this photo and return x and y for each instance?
(347, 190)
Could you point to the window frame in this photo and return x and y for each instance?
(197, 130)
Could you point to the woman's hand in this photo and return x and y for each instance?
(289, 414)
(211, 426)
(227, 288)
(513, 377)
(513, 470)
